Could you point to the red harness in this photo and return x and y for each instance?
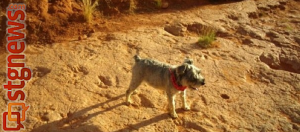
(173, 80)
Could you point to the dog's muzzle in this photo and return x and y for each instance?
(202, 83)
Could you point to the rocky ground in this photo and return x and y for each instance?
(252, 76)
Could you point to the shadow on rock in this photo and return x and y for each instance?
(76, 122)
(142, 124)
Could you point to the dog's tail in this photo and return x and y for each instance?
(137, 58)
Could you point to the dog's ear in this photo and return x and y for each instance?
(188, 61)
(181, 69)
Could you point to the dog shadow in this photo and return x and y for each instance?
(139, 125)
(150, 121)
(74, 122)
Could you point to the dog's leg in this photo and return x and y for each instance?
(171, 99)
(134, 84)
(184, 103)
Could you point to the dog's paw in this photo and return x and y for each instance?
(174, 115)
(135, 92)
(128, 102)
(187, 108)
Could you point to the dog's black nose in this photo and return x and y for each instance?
(203, 82)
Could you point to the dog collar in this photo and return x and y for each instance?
(173, 80)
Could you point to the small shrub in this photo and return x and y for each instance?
(132, 6)
(88, 9)
(158, 3)
(207, 37)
